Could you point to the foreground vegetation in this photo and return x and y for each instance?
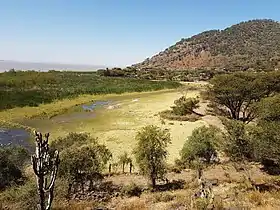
(32, 88)
(249, 141)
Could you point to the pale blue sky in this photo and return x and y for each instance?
(113, 32)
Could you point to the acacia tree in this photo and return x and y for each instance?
(235, 95)
(151, 152)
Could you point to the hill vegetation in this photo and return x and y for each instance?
(253, 44)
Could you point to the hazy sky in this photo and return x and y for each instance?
(113, 32)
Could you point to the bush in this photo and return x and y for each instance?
(202, 144)
(62, 143)
(237, 144)
(163, 197)
(11, 163)
(184, 106)
(265, 138)
(168, 114)
(131, 190)
(21, 197)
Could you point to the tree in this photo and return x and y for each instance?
(202, 144)
(184, 106)
(237, 144)
(86, 162)
(235, 95)
(124, 160)
(151, 152)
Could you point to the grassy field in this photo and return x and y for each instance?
(115, 124)
(30, 88)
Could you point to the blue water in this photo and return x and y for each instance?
(96, 104)
(15, 136)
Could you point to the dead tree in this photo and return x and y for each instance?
(45, 167)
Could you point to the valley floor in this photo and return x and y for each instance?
(115, 124)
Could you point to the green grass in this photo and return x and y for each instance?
(19, 89)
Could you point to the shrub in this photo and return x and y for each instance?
(163, 197)
(131, 190)
(11, 163)
(266, 143)
(22, 197)
(184, 106)
(168, 114)
(201, 145)
(237, 144)
(62, 143)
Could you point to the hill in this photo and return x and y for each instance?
(6, 65)
(252, 44)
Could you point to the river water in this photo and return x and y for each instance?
(15, 136)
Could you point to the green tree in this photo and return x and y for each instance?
(86, 162)
(235, 95)
(184, 106)
(269, 109)
(201, 145)
(151, 152)
(62, 143)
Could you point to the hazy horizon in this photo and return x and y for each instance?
(6, 65)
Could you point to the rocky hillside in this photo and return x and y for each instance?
(252, 44)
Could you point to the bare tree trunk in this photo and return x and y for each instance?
(110, 168)
(130, 167)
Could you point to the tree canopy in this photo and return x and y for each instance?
(151, 152)
(236, 95)
(201, 145)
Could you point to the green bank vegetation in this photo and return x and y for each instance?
(30, 88)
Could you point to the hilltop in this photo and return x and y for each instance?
(252, 44)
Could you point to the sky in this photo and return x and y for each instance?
(113, 32)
